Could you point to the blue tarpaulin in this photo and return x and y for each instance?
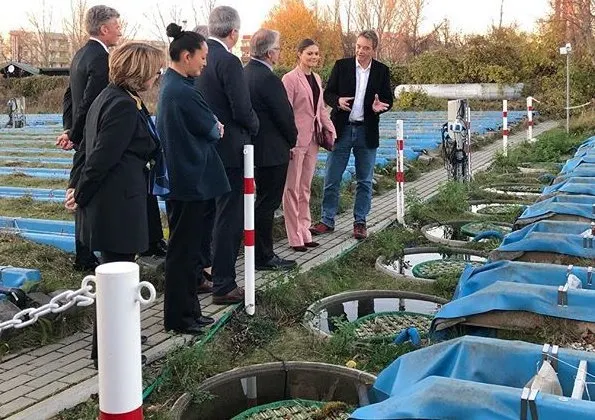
(474, 378)
(578, 185)
(475, 279)
(546, 209)
(572, 198)
(573, 163)
(548, 236)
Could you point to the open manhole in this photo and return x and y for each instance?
(373, 314)
(283, 390)
(520, 190)
(460, 233)
(430, 263)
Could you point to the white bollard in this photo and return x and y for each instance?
(118, 337)
(505, 127)
(400, 175)
(249, 234)
(469, 170)
(530, 119)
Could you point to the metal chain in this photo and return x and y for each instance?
(58, 304)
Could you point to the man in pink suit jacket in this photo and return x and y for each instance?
(302, 85)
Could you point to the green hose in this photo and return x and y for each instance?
(199, 344)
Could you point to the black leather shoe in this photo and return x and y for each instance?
(156, 249)
(194, 329)
(86, 266)
(143, 339)
(277, 263)
(204, 320)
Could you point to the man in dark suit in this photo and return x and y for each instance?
(272, 145)
(223, 86)
(89, 75)
(358, 90)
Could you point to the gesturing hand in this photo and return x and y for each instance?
(221, 128)
(379, 106)
(344, 103)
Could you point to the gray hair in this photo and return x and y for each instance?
(97, 16)
(262, 42)
(223, 20)
(370, 35)
(203, 30)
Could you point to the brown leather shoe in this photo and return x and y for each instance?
(320, 228)
(359, 231)
(235, 296)
(205, 287)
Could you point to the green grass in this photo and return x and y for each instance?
(21, 180)
(20, 164)
(27, 207)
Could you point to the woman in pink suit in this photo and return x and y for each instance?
(304, 91)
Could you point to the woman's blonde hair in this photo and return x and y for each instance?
(133, 64)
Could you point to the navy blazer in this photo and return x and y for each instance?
(342, 82)
(224, 88)
(189, 135)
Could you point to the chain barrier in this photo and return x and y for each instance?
(58, 304)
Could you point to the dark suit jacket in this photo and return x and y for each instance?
(89, 75)
(224, 88)
(112, 190)
(277, 133)
(342, 84)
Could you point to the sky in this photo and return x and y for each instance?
(468, 16)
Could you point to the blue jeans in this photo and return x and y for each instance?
(353, 137)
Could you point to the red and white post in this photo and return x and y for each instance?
(249, 233)
(118, 299)
(505, 127)
(530, 119)
(400, 175)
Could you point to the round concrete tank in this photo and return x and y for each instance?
(485, 91)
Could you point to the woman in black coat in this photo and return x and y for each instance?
(112, 190)
(120, 139)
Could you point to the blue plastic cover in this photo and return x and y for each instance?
(549, 236)
(578, 185)
(475, 279)
(57, 233)
(19, 277)
(572, 198)
(573, 163)
(546, 208)
(474, 378)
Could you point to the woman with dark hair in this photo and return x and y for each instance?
(189, 132)
(304, 90)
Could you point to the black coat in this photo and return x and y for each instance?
(277, 133)
(224, 88)
(89, 75)
(341, 83)
(112, 190)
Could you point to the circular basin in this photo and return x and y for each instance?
(375, 314)
(256, 387)
(496, 207)
(404, 267)
(452, 233)
(518, 190)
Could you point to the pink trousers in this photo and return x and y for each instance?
(296, 196)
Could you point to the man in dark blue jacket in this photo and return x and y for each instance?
(224, 88)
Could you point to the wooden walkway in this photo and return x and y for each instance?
(39, 383)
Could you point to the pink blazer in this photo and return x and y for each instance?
(301, 98)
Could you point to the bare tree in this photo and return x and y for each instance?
(160, 19)
(74, 25)
(501, 13)
(414, 17)
(202, 11)
(383, 16)
(39, 42)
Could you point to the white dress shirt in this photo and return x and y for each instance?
(101, 43)
(361, 83)
(220, 42)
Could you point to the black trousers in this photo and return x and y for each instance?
(107, 257)
(184, 258)
(84, 257)
(227, 233)
(154, 218)
(270, 182)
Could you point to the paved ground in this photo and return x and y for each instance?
(39, 383)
